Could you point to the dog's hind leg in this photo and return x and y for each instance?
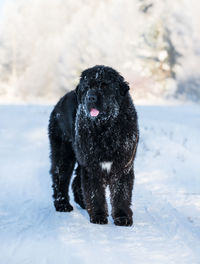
(63, 161)
(77, 189)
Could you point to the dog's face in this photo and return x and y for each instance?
(100, 92)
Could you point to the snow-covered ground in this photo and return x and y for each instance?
(166, 200)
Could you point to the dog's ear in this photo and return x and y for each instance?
(124, 88)
(78, 94)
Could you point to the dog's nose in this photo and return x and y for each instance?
(92, 98)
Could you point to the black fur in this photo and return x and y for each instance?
(111, 136)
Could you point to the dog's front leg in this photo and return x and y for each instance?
(121, 186)
(94, 195)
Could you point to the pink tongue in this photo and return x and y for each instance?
(94, 112)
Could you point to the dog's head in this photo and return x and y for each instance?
(100, 92)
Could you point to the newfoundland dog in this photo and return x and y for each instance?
(96, 127)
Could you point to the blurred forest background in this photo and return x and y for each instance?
(45, 44)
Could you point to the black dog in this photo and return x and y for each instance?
(95, 126)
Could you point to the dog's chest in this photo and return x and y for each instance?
(103, 144)
(99, 145)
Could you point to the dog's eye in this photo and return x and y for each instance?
(104, 85)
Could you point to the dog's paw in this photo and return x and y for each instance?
(63, 206)
(123, 221)
(99, 219)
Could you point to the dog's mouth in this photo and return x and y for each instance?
(94, 112)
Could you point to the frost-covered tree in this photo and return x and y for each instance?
(45, 44)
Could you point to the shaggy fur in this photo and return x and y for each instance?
(104, 146)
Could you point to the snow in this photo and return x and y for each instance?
(166, 197)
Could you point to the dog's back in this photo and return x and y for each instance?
(64, 114)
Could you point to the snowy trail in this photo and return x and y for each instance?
(166, 198)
